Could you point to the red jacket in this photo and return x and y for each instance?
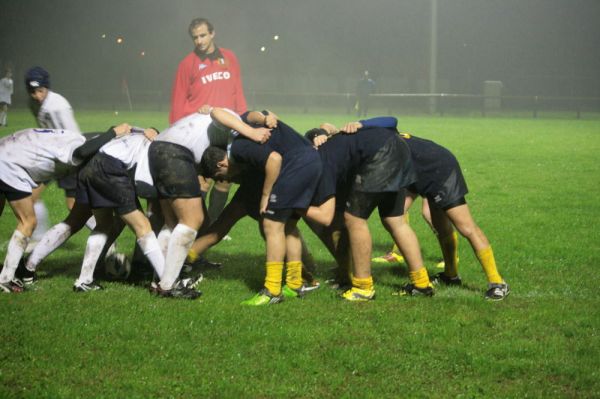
(216, 82)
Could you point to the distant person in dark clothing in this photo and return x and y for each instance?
(364, 88)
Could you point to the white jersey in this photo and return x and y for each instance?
(56, 113)
(29, 157)
(190, 132)
(128, 149)
(6, 90)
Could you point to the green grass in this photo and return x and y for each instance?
(534, 187)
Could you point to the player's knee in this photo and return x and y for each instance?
(28, 225)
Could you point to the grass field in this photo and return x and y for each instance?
(534, 187)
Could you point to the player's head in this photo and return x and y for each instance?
(214, 163)
(202, 33)
(37, 82)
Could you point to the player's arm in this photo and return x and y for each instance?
(226, 118)
(265, 118)
(388, 122)
(272, 169)
(317, 136)
(91, 146)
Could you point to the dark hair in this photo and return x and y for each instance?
(211, 157)
(36, 77)
(312, 133)
(200, 21)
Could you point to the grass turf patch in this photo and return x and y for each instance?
(533, 184)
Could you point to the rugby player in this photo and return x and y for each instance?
(27, 159)
(105, 185)
(290, 168)
(363, 171)
(440, 180)
(52, 111)
(172, 161)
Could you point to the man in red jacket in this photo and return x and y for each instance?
(208, 76)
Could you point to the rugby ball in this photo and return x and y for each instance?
(117, 266)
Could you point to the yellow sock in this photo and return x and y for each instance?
(451, 270)
(420, 278)
(363, 283)
(192, 255)
(273, 278)
(488, 262)
(293, 277)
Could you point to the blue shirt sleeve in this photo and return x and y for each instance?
(380, 121)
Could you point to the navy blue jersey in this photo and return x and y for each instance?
(300, 168)
(344, 154)
(283, 140)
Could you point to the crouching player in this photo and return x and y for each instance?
(364, 171)
(106, 186)
(291, 168)
(441, 182)
(27, 159)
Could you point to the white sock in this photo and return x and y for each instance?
(41, 214)
(91, 223)
(53, 239)
(180, 243)
(149, 245)
(14, 253)
(163, 239)
(93, 250)
(3, 117)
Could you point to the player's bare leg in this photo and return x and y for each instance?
(276, 247)
(406, 239)
(466, 226)
(26, 222)
(361, 248)
(448, 240)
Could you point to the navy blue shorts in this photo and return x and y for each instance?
(12, 194)
(443, 192)
(69, 184)
(390, 169)
(104, 182)
(389, 204)
(173, 170)
(296, 184)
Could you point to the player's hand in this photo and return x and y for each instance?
(320, 140)
(150, 134)
(205, 109)
(271, 120)
(329, 128)
(351, 127)
(260, 134)
(264, 202)
(122, 129)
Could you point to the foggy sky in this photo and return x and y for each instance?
(534, 46)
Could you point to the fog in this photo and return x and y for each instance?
(534, 47)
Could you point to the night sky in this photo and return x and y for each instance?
(534, 46)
